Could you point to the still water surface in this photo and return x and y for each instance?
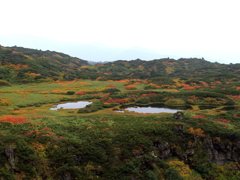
(71, 105)
(151, 108)
(155, 108)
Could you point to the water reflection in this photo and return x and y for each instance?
(118, 110)
(155, 108)
(226, 108)
(229, 108)
(206, 107)
(71, 105)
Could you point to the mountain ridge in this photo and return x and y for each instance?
(52, 65)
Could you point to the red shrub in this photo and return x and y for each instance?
(16, 120)
(117, 100)
(46, 129)
(188, 88)
(199, 116)
(223, 120)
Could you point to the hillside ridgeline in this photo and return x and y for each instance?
(23, 65)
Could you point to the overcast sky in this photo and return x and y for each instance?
(209, 28)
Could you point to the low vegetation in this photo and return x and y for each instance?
(96, 142)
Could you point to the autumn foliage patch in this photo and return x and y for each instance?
(111, 86)
(223, 120)
(188, 88)
(117, 100)
(131, 87)
(198, 132)
(15, 120)
(199, 117)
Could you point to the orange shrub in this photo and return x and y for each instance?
(43, 92)
(204, 83)
(131, 87)
(111, 86)
(174, 90)
(198, 132)
(5, 102)
(188, 88)
(58, 91)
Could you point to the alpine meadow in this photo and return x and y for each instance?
(106, 140)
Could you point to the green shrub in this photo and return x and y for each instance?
(144, 101)
(149, 87)
(95, 106)
(70, 93)
(16, 108)
(173, 174)
(4, 83)
(111, 90)
(177, 101)
(162, 164)
(150, 175)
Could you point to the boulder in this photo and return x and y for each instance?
(178, 115)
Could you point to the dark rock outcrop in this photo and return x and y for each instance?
(66, 176)
(178, 130)
(9, 152)
(164, 148)
(138, 154)
(217, 150)
(222, 152)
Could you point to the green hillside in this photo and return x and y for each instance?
(22, 65)
(141, 69)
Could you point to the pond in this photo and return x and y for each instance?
(155, 108)
(71, 105)
(229, 108)
(225, 108)
(206, 107)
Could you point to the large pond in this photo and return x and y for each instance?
(155, 108)
(71, 105)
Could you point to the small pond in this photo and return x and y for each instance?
(206, 107)
(71, 105)
(225, 108)
(229, 108)
(155, 108)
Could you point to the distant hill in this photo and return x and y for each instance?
(165, 67)
(22, 65)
